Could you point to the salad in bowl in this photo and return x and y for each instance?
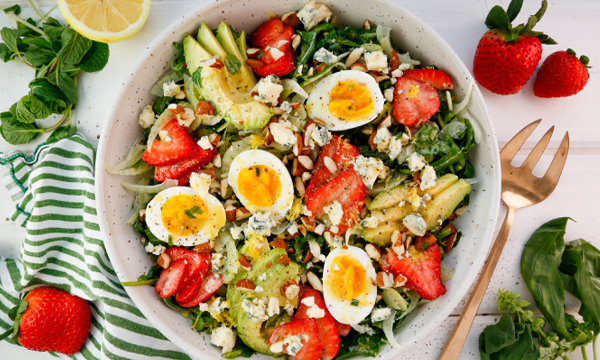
(296, 186)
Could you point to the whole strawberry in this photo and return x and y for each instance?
(49, 319)
(506, 56)
(561, 74)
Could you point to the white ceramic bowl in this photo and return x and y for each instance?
(411, 34)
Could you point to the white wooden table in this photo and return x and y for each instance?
(573, 23)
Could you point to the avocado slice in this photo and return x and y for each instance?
(444, 204)
(382, 235)
(256, 334)
(229, 94)
(389, 198)
(227, 41)
(442, 184)
(393, 213)
(242, 45)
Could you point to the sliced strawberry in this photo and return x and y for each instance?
(343, 329)
(170, 279)
(281, 67)
(271, 32)
(183, 169)
(328, 332)
(436, 78)
(198, 264)
(210, 285)
(422, 270)
(311, 349)
(176, 146)
(348, 189)
(414, 102)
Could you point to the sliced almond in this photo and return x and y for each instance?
(367, 130)
(319, 122)
(394, 61)
(253, 63)
(373, 251)
(230, 214)
(386, 122)
(358, 66)
(384, 280)
(289, 289)
(310, 127)
(367, 25)
(214, 138)
(163, 260)
(400, 280)
(298, 146)
(283, 260)
(354, 56)
(224, 185)
(252, 52)
(291, 19)
(302, 229)
(306, 162)
(297, 168)
(244, 262)
(372, 141)
(309, 223)
(245, 284)
(319, 68)
(176, 109)
(217, 160)
(242, 213)
(330, 164)
(299, 184)
(378, 76)
(218, 64)
(279, 244)
(314, 281)
(296, 42)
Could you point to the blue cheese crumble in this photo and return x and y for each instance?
(320, 136)
(325, 56)
(312, 14)
(415, 224)
(416, 162)
(428, 178)
(369, 169)
(283, 133)
(269, 89)
(376, 61)
(223, 337)
(380, 314)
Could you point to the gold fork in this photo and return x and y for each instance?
(520, 188)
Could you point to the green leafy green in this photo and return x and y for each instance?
(232, 63)
(96, 58)
(61, 133)
(239, 350)
(74, 46)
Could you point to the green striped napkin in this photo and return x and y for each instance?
(53, 193)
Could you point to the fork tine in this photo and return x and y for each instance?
(513, 145)
(558, 163)
(538, 150)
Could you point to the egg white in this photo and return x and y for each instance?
(318, 100)
(209, 230)
(250, 158)
(342, 310)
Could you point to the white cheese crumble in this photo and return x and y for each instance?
(204, 143)
(415, 224)
(147, 118)
(376, 61)
(171, 89)
(262, 277)
(289, 307)
(369, 169)
(325, 56)
(261, 223)
(156, 250)
(312, 14)
(416, 162)
(369, 222)
(389, 94)
(256, 310)
(218, 261)
(273, 307)
(223, 337)
(236, 232)
(335, 212)
(382, 139)
(428, 178)
(283, 133)
(416, 201)
(380, 314)
(269, 89)
(320, 136)
(395, 147)
(163, 135)
(363, 329)
(315, 312)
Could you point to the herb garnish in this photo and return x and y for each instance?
(57, 53)
(193, 211)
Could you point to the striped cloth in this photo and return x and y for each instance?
(53, 195)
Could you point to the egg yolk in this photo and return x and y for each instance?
(184, 215)
(347, 278)
(260, 185)
(350, 101)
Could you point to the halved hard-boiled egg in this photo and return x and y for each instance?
(349, 285)
(345, 100)
(181, 216)
(262, 183)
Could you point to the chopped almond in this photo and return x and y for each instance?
(284, 260)
(254, 63)
(245, 284)
(163, 260)
(244, 262)
(204, 108)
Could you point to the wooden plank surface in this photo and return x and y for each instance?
(460, 22)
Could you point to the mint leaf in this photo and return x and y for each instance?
(48, 93)
(197, 77)
(53, 28)
(10, 36)
(67, 85)
(15, 132)
(4, 52)
(96, 58)
(74, 46)
(16, 9)
(39, 56)
(61, 133)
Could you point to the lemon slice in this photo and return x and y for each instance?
(105, 20)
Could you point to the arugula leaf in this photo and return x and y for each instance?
(61, 133)
(96, 58)
(74, 46)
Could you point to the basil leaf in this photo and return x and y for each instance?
(10, 36)
(61, 133)
(539, 267)
(232, 63)
(67, 85)
(500, 335)
(16, 9)
(74, 46)
(39, 56)
(96, 58)
(15, 132)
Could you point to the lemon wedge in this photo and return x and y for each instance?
(105, 20)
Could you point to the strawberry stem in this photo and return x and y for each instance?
(499, 19)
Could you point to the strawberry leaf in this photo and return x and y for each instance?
(15, 315)
(498, 19)
(542, 10)
(513, 9)
(523, 29)
(545, 39)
